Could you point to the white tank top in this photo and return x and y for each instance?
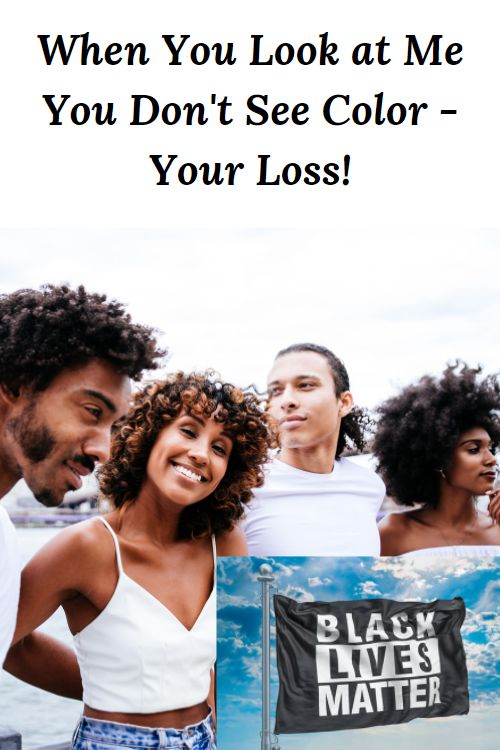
(457, 550)
(137, 657)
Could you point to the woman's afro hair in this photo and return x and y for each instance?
(418, 429)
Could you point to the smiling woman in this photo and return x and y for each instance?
(190, 423)
(137, 585)
(435, 445)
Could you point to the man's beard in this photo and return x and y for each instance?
(35, 440)
(37, 443)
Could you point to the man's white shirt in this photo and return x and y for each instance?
(300, 513)
(10, 572)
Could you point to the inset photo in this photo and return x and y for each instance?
(382, 651)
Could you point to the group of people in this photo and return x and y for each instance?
(193, 467)
(434, 446)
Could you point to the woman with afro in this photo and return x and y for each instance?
(138, 584)
(435, 445)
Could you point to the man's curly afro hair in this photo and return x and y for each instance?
(203, 395)
(355, 425)
(43, 332)
(418, 429)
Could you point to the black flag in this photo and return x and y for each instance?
(348, 665)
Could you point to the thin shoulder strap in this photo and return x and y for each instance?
(214, 550)
(115, 540)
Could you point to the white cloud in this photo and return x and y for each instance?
(226, 629)
(444, 568)
(486, 703)
(481, 657)
(252, 666)
(477, 730)
(369, 588)
(489, 622)
(318, 581)
(299, 594)
(285, 570)
(490, 598)
(224, 599)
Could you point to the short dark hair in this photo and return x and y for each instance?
(158, 405)
(419, 428)
(45, 331)
(354, 426)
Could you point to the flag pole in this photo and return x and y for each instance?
(266, 578)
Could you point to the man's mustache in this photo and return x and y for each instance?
(86, 461)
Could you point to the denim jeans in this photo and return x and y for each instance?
(94, 734)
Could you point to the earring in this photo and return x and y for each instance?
(441, 473)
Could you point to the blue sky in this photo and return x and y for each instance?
(327, 579)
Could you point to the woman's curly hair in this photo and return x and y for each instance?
(45, 331)
(355, 426)
(418, 429)
(204, 395)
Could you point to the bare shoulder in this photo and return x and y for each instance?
(61, 571)
(395, 533)
(76, 548)
(488, 529)
(231, 543)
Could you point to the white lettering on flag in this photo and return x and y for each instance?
(343, 662)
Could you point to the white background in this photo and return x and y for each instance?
(440, 173)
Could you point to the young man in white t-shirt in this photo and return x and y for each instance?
(66, 360)
(314, 502)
